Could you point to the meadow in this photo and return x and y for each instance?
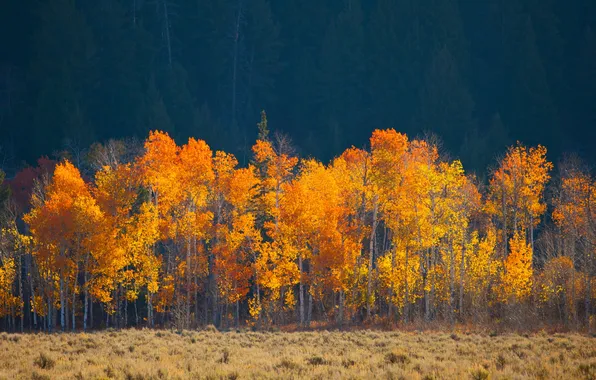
(360, 354)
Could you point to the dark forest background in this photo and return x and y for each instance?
(479, 74)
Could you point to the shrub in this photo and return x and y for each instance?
(110, 372)
(225, 356)
(44, 361)
(288, 364)
(397, 357)
(39, 376)
(479, 373)
(500, 362)
(587, 370)
(133, 376)
(316, 360)
(162, 374)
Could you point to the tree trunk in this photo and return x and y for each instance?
(90, 311)
(136, 301)
(237, 314)
(188, 287)
(149, 309)
(370, 258)
(66, 307)
(587, 298)
(407, 291)
(309, 314)
(21, 292)
(74, 300)
(461, 283)
(392, 297)
(433, 283)
(341, 308)
(451, 281)
(86, 292)
(34, 306)
(86, 306)
(301, 295)
(258, 301)
(532, 236)
(62, 303)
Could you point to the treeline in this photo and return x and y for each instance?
(482, 74)
(161, 234)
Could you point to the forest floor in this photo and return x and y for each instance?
(366, 354)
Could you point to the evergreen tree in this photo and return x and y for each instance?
(155, 111)
(63, 74)
(386, 94)
(530, 95)
(119, 58)
(341, 77)
(446, 106)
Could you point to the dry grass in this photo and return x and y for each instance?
(149, 354)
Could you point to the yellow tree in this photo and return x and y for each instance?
(298, 220)
(11, 253)
(357, 198)
(404, 171)
(388, 153)
(515, 199)
(574, 213)
(11, 305)
(178, 180)
(310, 222)
(236, 238)
(276, 266)
(335, 242)
(518, 272)
(458, 200)
(516, 191)
(483, 268)
(558, 286)
(159, 169)
(105, 268)
(196, 174)
(62, 226)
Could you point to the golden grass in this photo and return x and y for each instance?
(363, 354)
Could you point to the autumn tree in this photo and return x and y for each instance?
(196, 174)
(574, 214)
(357, 206)
(516, 201)
(275, 164)
(181, 236)
(516, 191)
(236, 237)
(518, 271)
(11, 282)
(63, 226)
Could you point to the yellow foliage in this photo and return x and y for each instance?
(517, 276)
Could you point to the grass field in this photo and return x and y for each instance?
(209, 354)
